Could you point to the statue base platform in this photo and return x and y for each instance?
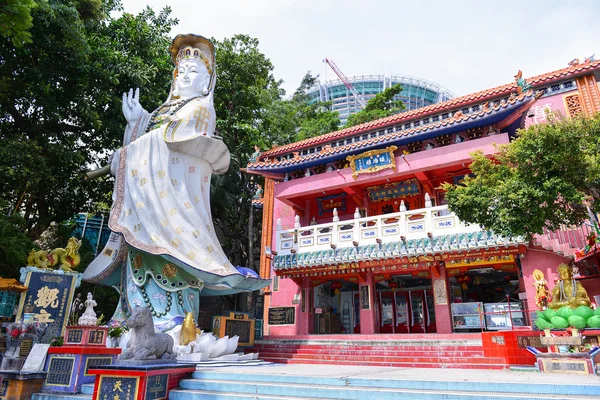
(569, 363)
(139, 382)
(68, 366)
(15, 385)
(86, 335)
(142, 363)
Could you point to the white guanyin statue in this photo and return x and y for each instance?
(89, 315)
(163, 252)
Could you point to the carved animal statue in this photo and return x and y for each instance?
(67, 259)
(144, 343)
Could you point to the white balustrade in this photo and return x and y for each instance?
(387, 228)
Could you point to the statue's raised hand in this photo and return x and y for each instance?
(132, 109)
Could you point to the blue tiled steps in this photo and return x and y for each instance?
(207, 385)
(87, 391)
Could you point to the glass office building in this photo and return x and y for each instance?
(416, 92)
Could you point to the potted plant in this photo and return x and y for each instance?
(117, 329)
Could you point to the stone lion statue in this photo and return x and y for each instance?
(144, 343)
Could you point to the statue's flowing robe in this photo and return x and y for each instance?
(163, 251)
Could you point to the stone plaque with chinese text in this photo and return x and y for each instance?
(48, 297)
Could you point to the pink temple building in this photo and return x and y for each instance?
(359, 242)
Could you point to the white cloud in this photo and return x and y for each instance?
(465, 46)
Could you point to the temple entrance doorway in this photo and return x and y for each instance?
(334, 309)
(405, 305)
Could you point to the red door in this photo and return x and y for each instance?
(402, 312)
(418, 311)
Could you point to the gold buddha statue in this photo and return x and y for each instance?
(568, 291)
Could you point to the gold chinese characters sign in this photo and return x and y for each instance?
(48, 299)
(372, 161)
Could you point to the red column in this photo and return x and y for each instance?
(366, 290)
(441, 299)
(304, 309)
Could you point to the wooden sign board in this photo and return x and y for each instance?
(235, 323)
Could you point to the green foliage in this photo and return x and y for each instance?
(15, 20)
(316, 119)
(245, 91)
(380, 106)
(14, 245)
(57, 341)
(539, 180)
(60, 107)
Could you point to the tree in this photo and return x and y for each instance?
(246, 89)
(380, 106)
(60, 102)
(14, 245)
(539, 180)
(15, 20)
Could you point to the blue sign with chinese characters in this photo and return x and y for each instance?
(328, 203)
(48, 298)
(372, 161)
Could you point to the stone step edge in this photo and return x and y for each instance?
(400, 360)
(360, 389)
(186, 392)
(395, 365)
(399, 343)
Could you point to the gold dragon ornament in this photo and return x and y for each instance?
(67, 259)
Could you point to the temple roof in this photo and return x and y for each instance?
(491, 114)
(462, 101)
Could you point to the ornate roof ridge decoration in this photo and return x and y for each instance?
(390, 137)
(440, 248)
(547, 78)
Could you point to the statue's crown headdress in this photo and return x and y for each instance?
(196, 47)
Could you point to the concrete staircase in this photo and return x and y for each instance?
(565, 241)
(416, 351)
(364, 383)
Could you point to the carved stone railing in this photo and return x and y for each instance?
(381, 229)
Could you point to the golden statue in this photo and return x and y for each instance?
(542, 293)
(188, 329)
(568, 291)
(67, 259)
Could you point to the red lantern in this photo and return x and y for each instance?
(393, 285)
(464, 279)
(336, 286)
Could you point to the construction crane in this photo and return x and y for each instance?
(346, 82)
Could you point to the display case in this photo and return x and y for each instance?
(467, 316)
(498, 317)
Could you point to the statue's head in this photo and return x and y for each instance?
(193, 56)
(564, 272)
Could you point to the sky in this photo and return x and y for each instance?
(464, 46)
